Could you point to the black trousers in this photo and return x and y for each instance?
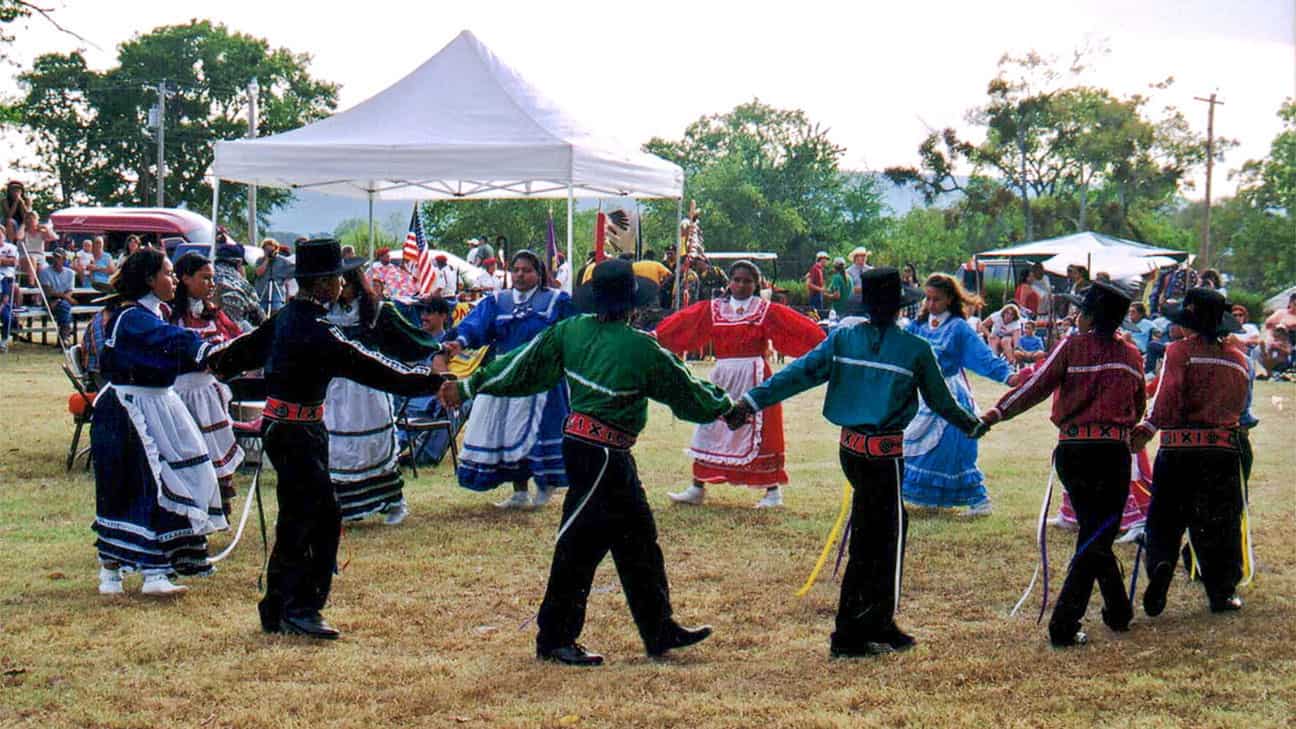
(1096, 475)
(1198, 490)
(613, 516)
(870, 589)
(309, 524)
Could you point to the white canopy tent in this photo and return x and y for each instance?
(1080, 244)
(462, 125)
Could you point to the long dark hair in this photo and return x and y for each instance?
(750, 267)
(536, 263)
(960, 300)
(131, 282)
(365, 296)
(188, 265)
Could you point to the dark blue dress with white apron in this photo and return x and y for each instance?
(510, 439)
(156, 495)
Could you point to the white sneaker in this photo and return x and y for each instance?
(692, 495)
(1131, 536)
(773, 498)
(542, 496)
(1061, 523)
(162, 586)
(110, 581)
(519, 500)
(396, 514)
(984, 508)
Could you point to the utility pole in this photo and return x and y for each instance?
(252, 90)
(161, 142)
(1203, 260)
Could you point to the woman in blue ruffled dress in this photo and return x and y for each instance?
(513, 439)
(940, 461)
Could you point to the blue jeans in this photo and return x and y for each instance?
(62, 313)
(6, 307)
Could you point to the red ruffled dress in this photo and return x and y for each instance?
(742, 334)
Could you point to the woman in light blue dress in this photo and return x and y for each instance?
(940, 461)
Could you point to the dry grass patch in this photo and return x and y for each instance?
(436, 611)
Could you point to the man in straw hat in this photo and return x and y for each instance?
(301, 354)
(612, 370)
(1098, 379)
(892, 367)
(1197, 478)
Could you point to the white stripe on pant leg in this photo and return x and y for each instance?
(899, 545)
(607, 456)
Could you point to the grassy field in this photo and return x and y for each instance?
(436, 611)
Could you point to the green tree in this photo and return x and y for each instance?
(768, 179)
(88, 128)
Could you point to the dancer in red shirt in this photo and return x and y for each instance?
(1098, 381)
(741, 326)
(1197, 478)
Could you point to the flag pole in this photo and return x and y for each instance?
(571, 199)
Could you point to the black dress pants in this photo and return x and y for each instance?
(870, 590)
(1198, 490)
(309, 524)
(1096, 475)
(605, 510)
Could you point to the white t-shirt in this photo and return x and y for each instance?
(999, 329)
(447, 279)
(8, 250)
(564, 277)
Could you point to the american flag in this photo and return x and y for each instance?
(417, 251)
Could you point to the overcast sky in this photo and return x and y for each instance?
(879, 75)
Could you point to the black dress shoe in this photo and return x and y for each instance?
(571, 655)
(898, 639)
(867, 650)
(1077, 638)
(680, 637)
(311, 625)
(1154, 597)
(1229, 604)
(1118, 620)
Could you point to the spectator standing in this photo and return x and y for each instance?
(234, 295)
(815, 284)
(58, 281)
(712, 282)
(909, 312)
(859, 264)
(1210, 278)
(1140, 328)
(272, 276)
(82, 261)
(446, 283)
(563, 275)
(839, 289)
(1025, 296)
(1039, 281)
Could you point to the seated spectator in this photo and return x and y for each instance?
(91, 344)
(58, 281)
(101, 267)
(1002, 329)
(1140, 330)
(82, 261)
(1249, 337)
(36, 238)
(434, 316)
(8, 289)
(1277, 354)
(234, 295)
(16, 206)
(1030, 348)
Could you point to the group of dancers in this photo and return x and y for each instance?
(566, 396)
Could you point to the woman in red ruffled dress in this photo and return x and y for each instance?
(741, 326)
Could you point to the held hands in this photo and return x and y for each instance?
(982, 427)
(451, 349)
(449, 395)
(738, 415)
(1139, 440)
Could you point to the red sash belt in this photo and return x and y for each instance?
(1199, 438)
(873, 445)
(1094, 431)
(584, 427)
(291, 412)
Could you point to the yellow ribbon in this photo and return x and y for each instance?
(832, 539)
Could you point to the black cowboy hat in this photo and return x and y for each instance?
(1203, 310)
(1102, 300)
(882, 291)
(322, 257)
(614, 288)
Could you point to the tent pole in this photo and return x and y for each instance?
(571, 263)
(372, 247)
(680, 250)
(215, 204)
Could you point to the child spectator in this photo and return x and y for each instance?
(1002, 329)
(1030, 348)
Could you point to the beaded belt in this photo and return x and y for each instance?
(873, 445)
(1199, 438)
(584, 427)
(291, 412)
(1094, 431)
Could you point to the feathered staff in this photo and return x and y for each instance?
(690, 244)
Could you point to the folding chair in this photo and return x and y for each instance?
(80, 419)
(419, 429)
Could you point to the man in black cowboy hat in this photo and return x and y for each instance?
(613, 370)
(1197, 478)
(874, 373)
(301, 354)
(1098, 379)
